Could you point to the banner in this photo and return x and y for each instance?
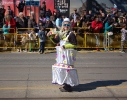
(63, 6)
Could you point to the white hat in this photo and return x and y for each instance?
(66, 20)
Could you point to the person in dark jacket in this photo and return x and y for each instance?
(21, 6)
(2, 11)
(31, 22)
(42, 39)
(42, 8)
(21, 22)
(48, 23)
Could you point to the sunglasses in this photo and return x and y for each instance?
(66, 25)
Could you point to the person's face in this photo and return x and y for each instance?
(90, 12)
(21, 15)
(9, 8)
(75, 11)
(97, 19)
(66, 26)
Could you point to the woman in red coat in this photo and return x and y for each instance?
(11, 21)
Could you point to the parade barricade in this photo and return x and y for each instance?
(7, 41)
(84, 40)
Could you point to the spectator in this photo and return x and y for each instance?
(52, 20)
(74, 15)
(96, 27)
(87, 26)
(120, 21)
(42, 19)
(2, 11)
(56, 14)
(21, 22)
(42, 8)
(123, 37)
(48, 13)
(48, 23)
(58, 22)
(108, 28)
(10, 22)
(42, 39)
(31, 22)
(21, 6)
(6, 34)
(32, 38)
(89, 15)
(10, 12)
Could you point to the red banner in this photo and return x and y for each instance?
(13, 3)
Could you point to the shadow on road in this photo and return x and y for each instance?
(94, 85)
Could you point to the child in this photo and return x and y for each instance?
(7, 37)
(123, 37)
(42, 39)
(32, 38)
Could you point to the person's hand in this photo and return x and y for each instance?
(56, 35)
(96, 28)
(9, 23)
(49, 33)
(63, 47)
(111, 25)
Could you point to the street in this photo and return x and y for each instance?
(28, 76)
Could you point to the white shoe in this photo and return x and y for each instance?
(122, 51)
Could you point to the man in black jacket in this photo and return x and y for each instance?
(21, 6)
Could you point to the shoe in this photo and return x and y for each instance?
(62, 89)
(111, 49)
(105, 49)
(122, 51)
(68, 88)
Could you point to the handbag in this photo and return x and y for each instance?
(110, 33)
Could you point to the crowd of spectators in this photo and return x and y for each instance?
(92, 22)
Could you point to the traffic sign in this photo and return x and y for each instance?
(33, 3)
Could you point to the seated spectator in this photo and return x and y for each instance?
(21, 22)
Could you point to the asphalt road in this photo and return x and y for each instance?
(28, 76)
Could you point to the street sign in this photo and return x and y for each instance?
(33, 3)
